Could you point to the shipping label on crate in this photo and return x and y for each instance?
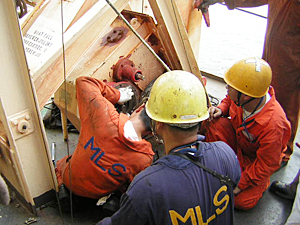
(41, 41)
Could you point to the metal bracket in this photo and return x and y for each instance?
(21, 124)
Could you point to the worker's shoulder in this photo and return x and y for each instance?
(271, 118)
(218, 153)
(150, 175)
(215, 148)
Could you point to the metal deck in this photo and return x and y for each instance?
(271, 209)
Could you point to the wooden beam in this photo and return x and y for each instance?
(169, 19)
(99, 60)
(77, 38)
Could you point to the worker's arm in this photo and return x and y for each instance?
(96, 100)
(88, 86)
(231, 4)
(220, 110)
(126, 215)
(94, 85)
(224, 106)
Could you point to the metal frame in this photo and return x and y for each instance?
(26, 164)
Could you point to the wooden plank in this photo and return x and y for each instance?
(180, 38)
(192, 19)
(194, 32)
(85, 7)
(168, 16)
(141, 7)
(164, 36)
(34, 14)
(78, 38)
(100, 58)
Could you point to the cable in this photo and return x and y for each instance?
(265, 17)
(66, 111)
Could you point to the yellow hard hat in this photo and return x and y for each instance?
(251, 76)
(177, 97)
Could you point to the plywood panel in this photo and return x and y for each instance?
(78, 38)
(99, 60)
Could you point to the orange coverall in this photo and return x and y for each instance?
(282, 52)
(259, 154)
(104, 160)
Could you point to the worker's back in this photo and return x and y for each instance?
(175, 190)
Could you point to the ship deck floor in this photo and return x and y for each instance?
(271, 209)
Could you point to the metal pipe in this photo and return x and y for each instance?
(53, 149)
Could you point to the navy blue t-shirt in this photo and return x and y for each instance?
(175, 191)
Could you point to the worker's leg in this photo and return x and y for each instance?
(285, 80)
(219, 130)
(60, 168)
(289, 99)
(249, 197)
(294, 217)
(79, 203)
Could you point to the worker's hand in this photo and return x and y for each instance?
(207, 3)
(126, 94)
(214, 112)
(236, 191)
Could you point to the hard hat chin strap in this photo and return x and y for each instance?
(238, 103)
(250, 100)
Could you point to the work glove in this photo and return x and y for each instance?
(126, 94)
(207, 3)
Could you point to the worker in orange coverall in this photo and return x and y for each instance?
(111, 149)
(254, 124)
(282, 52)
